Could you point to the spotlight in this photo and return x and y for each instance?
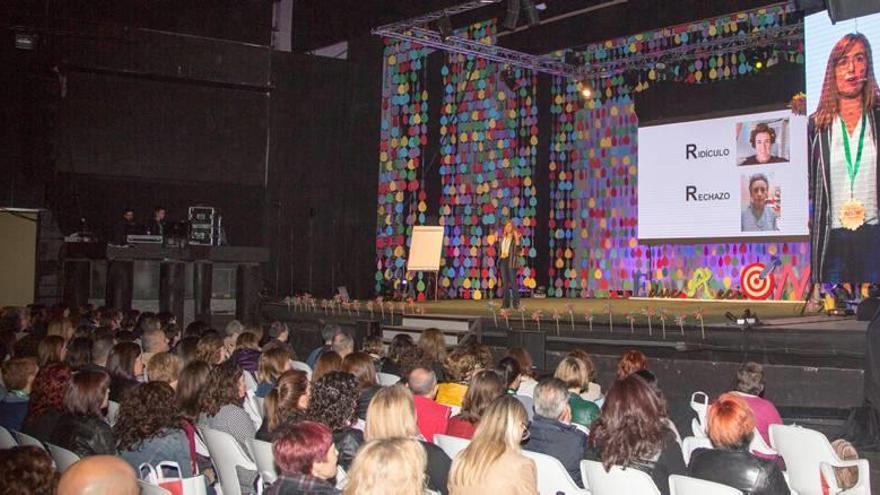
(531, 12)
(574, 58)
(444, 26)
(512, 14)
(585, 90)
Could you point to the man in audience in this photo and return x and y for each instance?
(18, 377)
(551, 431)
(153, 342)
(101, 348)
(230, 335)
(343, 344)
(328, 333)
(99, 475)
(278, 335)
(146, 323)
(431, 417)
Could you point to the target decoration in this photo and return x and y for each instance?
(753, 285)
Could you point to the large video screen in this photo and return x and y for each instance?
(734, 177)
(843, 105)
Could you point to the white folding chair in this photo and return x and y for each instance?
(112, 412)
(804, 450)
(63, 458)
(24, 439)
(700, 405)
(299, 365)
(759, 446)
(453, 410)
(341, 478)
(862, 487)
(387, 379)
(226, 454)
(6, 439)
(151, 489)
(617, 480)
(451, 445)
(261, 452)
(553, 478)
(685, 485)
(690, 444)
(252, 406)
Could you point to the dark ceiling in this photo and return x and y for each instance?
(565, 23)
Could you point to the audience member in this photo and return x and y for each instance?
(392, 414)
(63, 328)
(273, 362)
(306, 458)
(154, 340)
(361, 366)
(101, 347)
(289, 397)
(433, 343)
(82, 428)
(509, 371)
(574, 373)
(750, 388)
(630, 362)
(632, 432)
(52, 349)
(147, 429)
(328, 333)
(247, 352)
(410, 358)
(375, 347)
(493, 463)
(46, 404)
(343, 344)
(390, 362)
(190, 383)
(432, 418)
(79, 353)
(211, 349)
(460, 365)
(18, 377)
(278, 334)
(99, 475)
(846, 477)
(551, 431)
(220, 403)
(593, 391)
(731, 426)
(527, 367)
(391, 466)
(27, 470)
(147, 322)
(485, 387)
(329, 361)
(125, 367)
(187, 349)
(230, 335)
(164, 367)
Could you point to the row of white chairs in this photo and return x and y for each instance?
(62, 457)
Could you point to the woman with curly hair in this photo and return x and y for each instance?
(46, 404)
(290, 396)
(333, 401)
(460, 365)
(125, 365)
(211, 349)
(485, 387)
(389, 363)
(220, 403)
(148, 428)
(632, 432)
(27, 470)
(630, 362)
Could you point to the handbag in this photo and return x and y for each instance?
(177, 485)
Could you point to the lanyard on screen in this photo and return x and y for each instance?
(853, 169)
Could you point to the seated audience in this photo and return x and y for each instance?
(125, 367)
(509, 371)
(593, 391)
(278, 334)
(247, 352)
(211, 349)
(391, 466)
(750, 388)
(493, 463)
(390, 363)
(632, 432)
(154, 340)
(333, 401)
(575, 374)
(434, 345)
(273, 362)
(392, 414)
(18, 377)
(343, 344)
(52, 349)
(630, 362)
(230, 335)
(527, 381)
(82, 428)
(148, 429)
(328, 333)
(187, 349)
(551, 431)
(99, 475)
(27, 470)
(432, 418)
(221, 400)
(846, 477)
(289, 397)
(46, 402)
(374, 346)
(306, 459)
(731, 426)
(190, 383)
(164, 367)
(329, 361)
(79, 353)
(101, 347)
(361, 366)
(62, 327)
(485, 387)
(460, 365)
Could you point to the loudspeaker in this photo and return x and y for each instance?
(867, 308)
(841, 10)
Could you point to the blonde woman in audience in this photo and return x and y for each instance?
(51, 349)
(273, 362)
(391, 466)
(164, 367)
(593, 391)
(329, 361)
(493, 463)
(575, 373)
(393, 414)
(211, 350)
(63, 327)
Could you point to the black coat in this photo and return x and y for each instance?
(347, 441)
(437, 469)
(43, 427)
(564, 442)
(739, 469)
(84, 435)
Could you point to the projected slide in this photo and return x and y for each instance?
(743, 176)
(843, 104)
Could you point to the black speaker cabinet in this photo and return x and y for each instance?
(841, 10)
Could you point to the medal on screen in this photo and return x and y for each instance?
(852, 214)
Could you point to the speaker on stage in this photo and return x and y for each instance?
(841, 10)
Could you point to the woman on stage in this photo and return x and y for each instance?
(507, 264)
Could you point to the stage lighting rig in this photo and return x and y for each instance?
(444, 27)
(531, 12)
(510, 20)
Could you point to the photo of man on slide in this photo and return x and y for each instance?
(762, 138)
(759, 216)
(844, 231)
